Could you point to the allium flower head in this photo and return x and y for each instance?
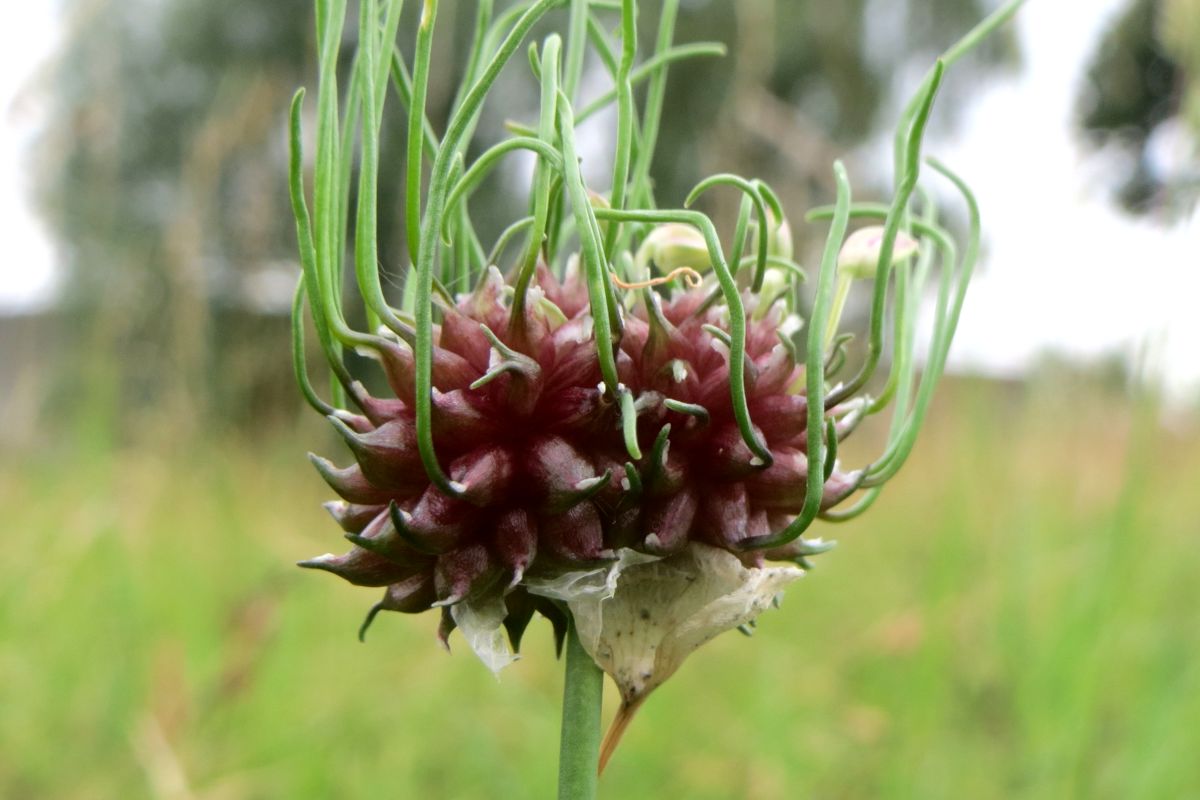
(550, 472)
(627, 422)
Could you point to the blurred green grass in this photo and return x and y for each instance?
(1019, 616)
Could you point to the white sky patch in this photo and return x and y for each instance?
(28, 36)
(1063, 269)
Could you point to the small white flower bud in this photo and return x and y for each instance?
(779, 238)
(775, 281)
(860, 253)
(675, 245)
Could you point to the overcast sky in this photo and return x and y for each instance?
(1057, 273)
(27, 37)
(1064, 269)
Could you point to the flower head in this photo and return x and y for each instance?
(626, 424)
(860, 254)
(554, 474)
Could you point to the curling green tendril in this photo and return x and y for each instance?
(814, 489)
(752, 192)
(542, 187)
(416, 120)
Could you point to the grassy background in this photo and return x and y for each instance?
(1017, 617)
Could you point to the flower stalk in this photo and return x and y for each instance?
(579, 745)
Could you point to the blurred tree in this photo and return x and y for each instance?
(1142, 99)
(163, 175)
(160, 175)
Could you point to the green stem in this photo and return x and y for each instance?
(840, 296)
(579, 750)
